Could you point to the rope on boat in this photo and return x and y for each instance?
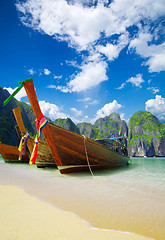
(86, 153)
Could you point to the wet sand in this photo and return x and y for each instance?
(24, 217)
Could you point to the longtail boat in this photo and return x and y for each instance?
(11, 154)
(73, 152)
(44, 156)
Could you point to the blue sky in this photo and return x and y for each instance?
(88, 58)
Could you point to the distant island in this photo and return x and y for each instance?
(145, 134)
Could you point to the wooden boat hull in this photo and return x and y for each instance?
(10, 154)
(44, 156)
(71, 151)
(78, 153)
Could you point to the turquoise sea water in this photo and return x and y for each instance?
(130, 199)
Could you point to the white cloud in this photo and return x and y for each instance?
(46, 71)
(19, 95)
(57, 77)
(84, 99)
(107, 109)
(157, 107)
(122, 86)
(51, 110)
(140, 43)
(77, 120)
(31, 71)
(156, 61)
(94, 102)
(153, 89)
(51, 86)
(76, 112)
(88, 100)
(136, 81)
(39, 71)
(155, 54)
(112, 51)
(63, 89)
(91, 75)
(122, 116)
(84, 26)
(63, 20)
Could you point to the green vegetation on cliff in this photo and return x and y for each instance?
(8, 133)
(110, 125)
(67, 124)
(148, 122)
(146, 134)
(104, 127)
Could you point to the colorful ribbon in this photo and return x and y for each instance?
(40, 124)
(22, 145)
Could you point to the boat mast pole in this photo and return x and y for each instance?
(30, 91)
(18, 117)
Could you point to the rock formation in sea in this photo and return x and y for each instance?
(146, 135)
(105, 127)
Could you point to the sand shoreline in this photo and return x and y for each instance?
(24, 217)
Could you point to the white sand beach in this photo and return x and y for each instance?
(24, 217)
